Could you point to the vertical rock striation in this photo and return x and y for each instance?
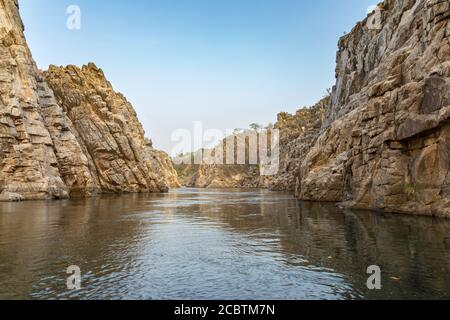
(109, 132)
(28, 162)
(232, 168)
(385, 141)
(42, 151)
(298, 132)
(382, 140)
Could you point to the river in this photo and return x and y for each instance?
(217, 244)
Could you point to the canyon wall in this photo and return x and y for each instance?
(49, 150)
(382, 140)
(205, 170)
(219, 176)
(298, 132)
(109, 132)
(385, 141)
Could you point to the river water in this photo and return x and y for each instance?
(216, 244)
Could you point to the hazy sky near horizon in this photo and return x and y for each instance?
(225, 63)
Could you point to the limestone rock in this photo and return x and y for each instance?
(382, 141)
(109, 132)
(233, 168)
(52, 151)
(28, 161)
(385, 142)
(162, 164)
(297, 133)
(219, 176)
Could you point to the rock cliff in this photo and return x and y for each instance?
(238, 172)
(46, 150)
(219, 176)
(382, 140)
(385, 141)
(298, 132)
(109, 132)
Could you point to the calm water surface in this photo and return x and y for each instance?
(210, 244)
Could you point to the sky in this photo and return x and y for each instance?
(227, 63)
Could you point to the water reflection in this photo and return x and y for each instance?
(206, 244)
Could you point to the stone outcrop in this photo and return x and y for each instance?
(219, 176)
(109, 132)
(28, 162)
(382, 140)
(49, 150)
(161, 163)
(385, 141)
(232, 171)
(298, 132)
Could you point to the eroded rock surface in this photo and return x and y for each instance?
(382, 142)
(219, 176)
(28, 159)
(49, 150)
(228, 165)
(298, 132)
(109, 132)
(385, 143)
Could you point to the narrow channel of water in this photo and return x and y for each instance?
(216, 244)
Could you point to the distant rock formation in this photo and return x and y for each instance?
(92, 143)
(297, 132)
(382, 140)
(210, 173)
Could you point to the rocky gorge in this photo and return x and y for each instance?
(381, 141)
(384, 142)
(66, 132)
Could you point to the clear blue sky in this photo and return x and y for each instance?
(227, 63)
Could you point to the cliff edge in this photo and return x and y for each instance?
(49, 151)
(385, 141)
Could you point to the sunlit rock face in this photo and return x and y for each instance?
(219, 176)
(385, 141)
(109, 132)
(28, 157)
(382, 140)
(298, 132)
(44, 151)
(235, 169)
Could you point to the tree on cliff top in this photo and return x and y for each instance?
(255, 126)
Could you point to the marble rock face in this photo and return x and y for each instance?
(298, 132)
(385, 139)
(109, 132)
(52, 147)
(381, 141)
